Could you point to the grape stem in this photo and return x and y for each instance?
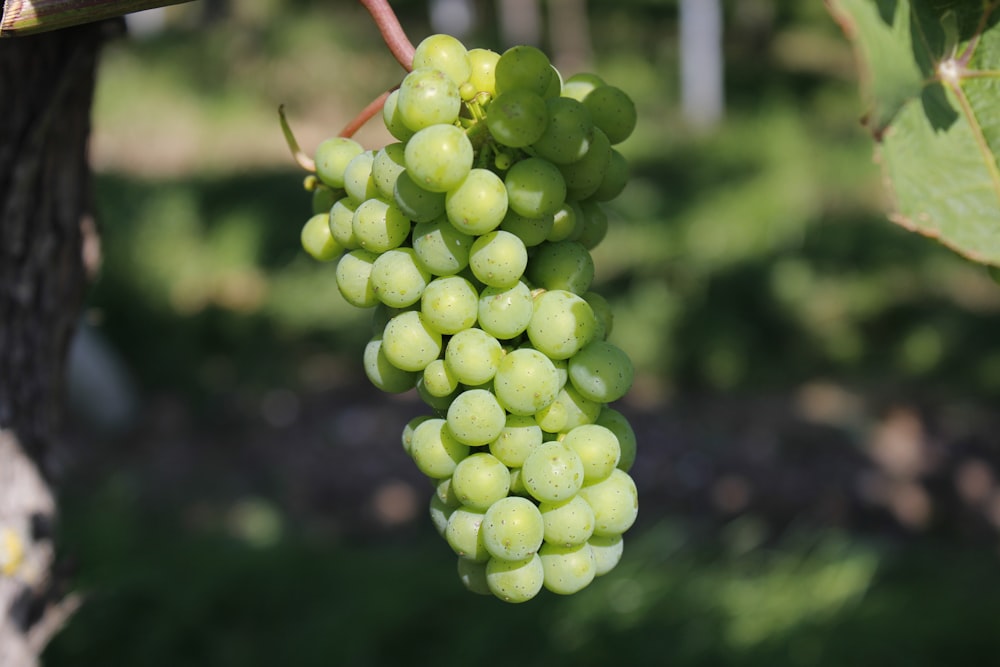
(392, 32)
(301, 158)
(365, 114)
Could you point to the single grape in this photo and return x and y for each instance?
(480, 480)
(567, 569)
(439, 513)
(438, 403)
(438, 380)
(597, 448)
(552, 473)
(439, 157)
(568, 411)
(535, 188)
(601, 371)
(595, 224)
(464, 534)
(444, 53)
(525, 67)
(615, 178)
(473, 576)
(517, 118)
(498, 259)
(383, 374)
(512, 528)
(358, 180)
(505, 312)
(585, 176)
(562, 323)
(435, 450)
(475, 418)
(354, 272)
(428, 97)
(450, 304)
(520, 436)
(318, 241)
(409, 342)
(615, 502)
(386, 168)
(567, 522)
(478, 204)
(568, 132)
(442, 249)
(515, 581)
(379, 226)
(607, 550)
(564, 265)
(393, 120)
(398, 278)
(332, 157)
(483, 62)
(472, 355)
(526, 382)
(617, 423)
(407, 436)
(613, 111)
(531, 231)
(567, 223)
(416, 203)
(342, 223)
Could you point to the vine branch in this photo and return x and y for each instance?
(392, 32)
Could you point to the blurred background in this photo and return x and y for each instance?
(815, 398)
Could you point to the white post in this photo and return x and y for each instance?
(702, 97)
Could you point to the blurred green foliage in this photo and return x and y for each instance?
(751, 258)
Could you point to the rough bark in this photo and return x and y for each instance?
(46, 89)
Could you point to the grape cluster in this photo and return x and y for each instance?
(470, 238)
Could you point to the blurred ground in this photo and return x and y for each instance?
(815, 404)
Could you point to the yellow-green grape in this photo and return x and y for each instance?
(318, 241)
(567, 522)
(475, 418)
(444, 53)
(383, 374)
(512, 528)
(607, 550)
(520, 436)
(464, 534)
(562, 323)
(597, 448)
(568, 411)
(613, 111)
(398, 278)
(482, 63)
(526, 382)
(505, 312)
(498, 259)
(567, 569)
(438, 380)
(565, 265)
(450, 304)
(332, 158)
(480, 480)
(354, 272)
(435, 450)
(615, 502)
(601, 371)
(552, 473)
(409, 343)
(379, 225)
(472, 355)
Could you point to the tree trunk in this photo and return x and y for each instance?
(46, 88)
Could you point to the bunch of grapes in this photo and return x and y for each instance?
(470, 238)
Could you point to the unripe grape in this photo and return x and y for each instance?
(444, 53)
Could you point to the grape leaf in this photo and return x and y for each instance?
(930, 72)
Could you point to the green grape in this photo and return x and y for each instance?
(615, 502)
(579, 85)
(416, 203)
(478, 204)
(553, 473)
(438, 379)
(354, 272)
(564, 265)
(567, 522)
(379, 226)
(472, 355)
(398, 278)
(440, 512)
(450, 304)
(602, 311)
(358, 180)
(517, 118)
(480, 480)
(318, 241)
(464, 534)
(512, 528)
(567, 569)
(332, 157)
(555, 85)
(515, 581)
(568, 411)
(498, 259)
(392, 119)
(442, 249)
(444, 53)
(562, 323)
(595, 225)
(483, 62)
(567, 223)
(531, 231)
(475, 418)
(428, 97)
(535, 188)
(439, 157)
(613, 111)
(342, 223)
(504, 313)
(473, 576)
(324, 198)
(526, 381)
(407, 437)
(520, 436)
(524, 67)
(601, 371)
(607, 550)
(386, 168)
(409, 343)
(383, 374)
(568, 132)
(585, 176)
(597, 448)
(439, 404)
(615, 178)
(616, 422)
(434, 450)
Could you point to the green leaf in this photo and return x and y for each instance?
(930, 72)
